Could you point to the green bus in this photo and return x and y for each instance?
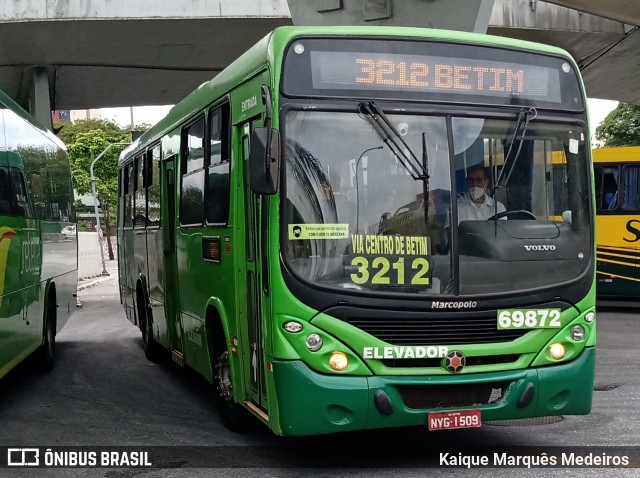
(293, 230)
(38, 263)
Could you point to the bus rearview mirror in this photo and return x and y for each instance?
(264, 166)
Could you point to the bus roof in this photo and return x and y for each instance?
(7, 102)
(622, 154)
(261, 54)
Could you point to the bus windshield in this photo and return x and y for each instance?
(355, 217)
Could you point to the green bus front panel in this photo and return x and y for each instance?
(310, 403)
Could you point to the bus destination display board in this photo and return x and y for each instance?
(377, 71)
(429, 71)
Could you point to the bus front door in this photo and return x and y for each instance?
(168, 226)
(256, 227)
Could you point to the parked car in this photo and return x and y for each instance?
(69, 232)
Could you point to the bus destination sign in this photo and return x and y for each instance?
(424, 70)
(337, 70)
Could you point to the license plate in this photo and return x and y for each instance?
(453, 419)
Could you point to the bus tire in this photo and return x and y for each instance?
(44, 356)
(233, 415)
(152, 349)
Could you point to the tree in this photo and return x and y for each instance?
(67, 131)
(621, 127)
(86, 147)
(85, 140)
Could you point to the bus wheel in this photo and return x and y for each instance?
(151, 348)
(233, 416)
(44, 356)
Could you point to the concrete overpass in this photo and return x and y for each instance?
(65, 54)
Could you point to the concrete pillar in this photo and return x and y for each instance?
(40, 99)
(463, 15)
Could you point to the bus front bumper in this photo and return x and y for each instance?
(310, 403)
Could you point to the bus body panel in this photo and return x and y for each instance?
(126, 257)
(140, 258)
(618, 223)
(564, 389)
(168, 228)
(36, 259)
(129, 283)
(18, 339)
(156, 284)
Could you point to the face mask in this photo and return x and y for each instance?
(476, 193)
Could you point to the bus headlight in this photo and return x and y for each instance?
(338, 361)
(557, 350)
(313, 342)
(590, 316)
(577, 333)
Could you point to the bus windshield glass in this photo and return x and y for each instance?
(355, 217)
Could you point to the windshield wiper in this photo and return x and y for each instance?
(425, 183)
(393, 140)
(419, 171)
(524, 116)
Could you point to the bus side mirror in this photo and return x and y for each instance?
(264, 166)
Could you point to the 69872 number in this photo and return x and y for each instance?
(529, 319)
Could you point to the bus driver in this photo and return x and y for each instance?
(477, 205)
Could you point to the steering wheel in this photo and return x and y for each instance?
(515, 214)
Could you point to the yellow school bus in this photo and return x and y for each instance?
(617, 178)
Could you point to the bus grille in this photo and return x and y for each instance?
(443, 396)
(441, 331)
(437, 362)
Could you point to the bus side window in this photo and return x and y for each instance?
(140, 214)
(128, 195)
(607, 187)
(153, 187)
(193, 174)
(21, 204)
(5, 193)
(631, 187)
(120, 197)
(217, 193)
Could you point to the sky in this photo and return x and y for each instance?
(141, 114)
(598, 110)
